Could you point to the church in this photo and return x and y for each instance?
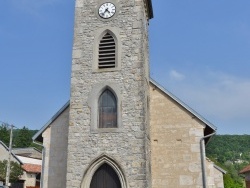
(120, 128)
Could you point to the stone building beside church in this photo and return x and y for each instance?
(120, 129)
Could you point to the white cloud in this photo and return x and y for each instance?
(176, 75)
(217, 94)
(221, 98)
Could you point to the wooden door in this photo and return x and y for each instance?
(105, 177)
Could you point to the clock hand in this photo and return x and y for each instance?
(107, 10)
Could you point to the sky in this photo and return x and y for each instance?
(199, 51)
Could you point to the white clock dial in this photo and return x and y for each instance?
(107, 10)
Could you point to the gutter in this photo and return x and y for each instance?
(43, 161)
(203, 163)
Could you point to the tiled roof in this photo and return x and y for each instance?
(246, 169)
(32, 168)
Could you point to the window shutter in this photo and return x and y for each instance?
(107, 50)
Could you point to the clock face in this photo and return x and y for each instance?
(107, 10)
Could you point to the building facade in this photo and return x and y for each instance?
(110, 64)
(30, 161)
(120, 129)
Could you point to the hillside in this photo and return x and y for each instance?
(232, 153)
(229, 148)
(22, 138)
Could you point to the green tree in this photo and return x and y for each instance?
(4, 134)
(232, 153)
(228, 181)
(23, 138)
(15, 171)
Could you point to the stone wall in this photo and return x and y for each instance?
(55, 140)
(45, 169)
(218, 178)
(30, 179)
(210, 173)
(175, 143)
(127, 143)
(214, 176)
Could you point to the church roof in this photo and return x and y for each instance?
(38, 136)
(210, 128)
(216, 166)
(220, 169)
(185, 106)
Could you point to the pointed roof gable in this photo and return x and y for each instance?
(38, 136)
(13, 155)
(210, 128)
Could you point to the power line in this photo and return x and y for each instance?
(4, 123)
(9, 125)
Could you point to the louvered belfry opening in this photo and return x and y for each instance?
(107, 52)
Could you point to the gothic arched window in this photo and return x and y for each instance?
(107, 52)
(105, 177)
(107, 110)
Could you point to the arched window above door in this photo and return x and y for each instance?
(107, 106)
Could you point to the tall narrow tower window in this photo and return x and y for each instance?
(107, 52)
(107, 110)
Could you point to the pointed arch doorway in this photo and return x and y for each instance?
(105, 177)
(104, 169)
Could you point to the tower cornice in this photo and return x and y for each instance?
(149, 8)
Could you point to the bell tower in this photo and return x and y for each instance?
(108, 138)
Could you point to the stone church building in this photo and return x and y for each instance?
(121, 129)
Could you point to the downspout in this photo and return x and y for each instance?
(203, 163)
(43, 161)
